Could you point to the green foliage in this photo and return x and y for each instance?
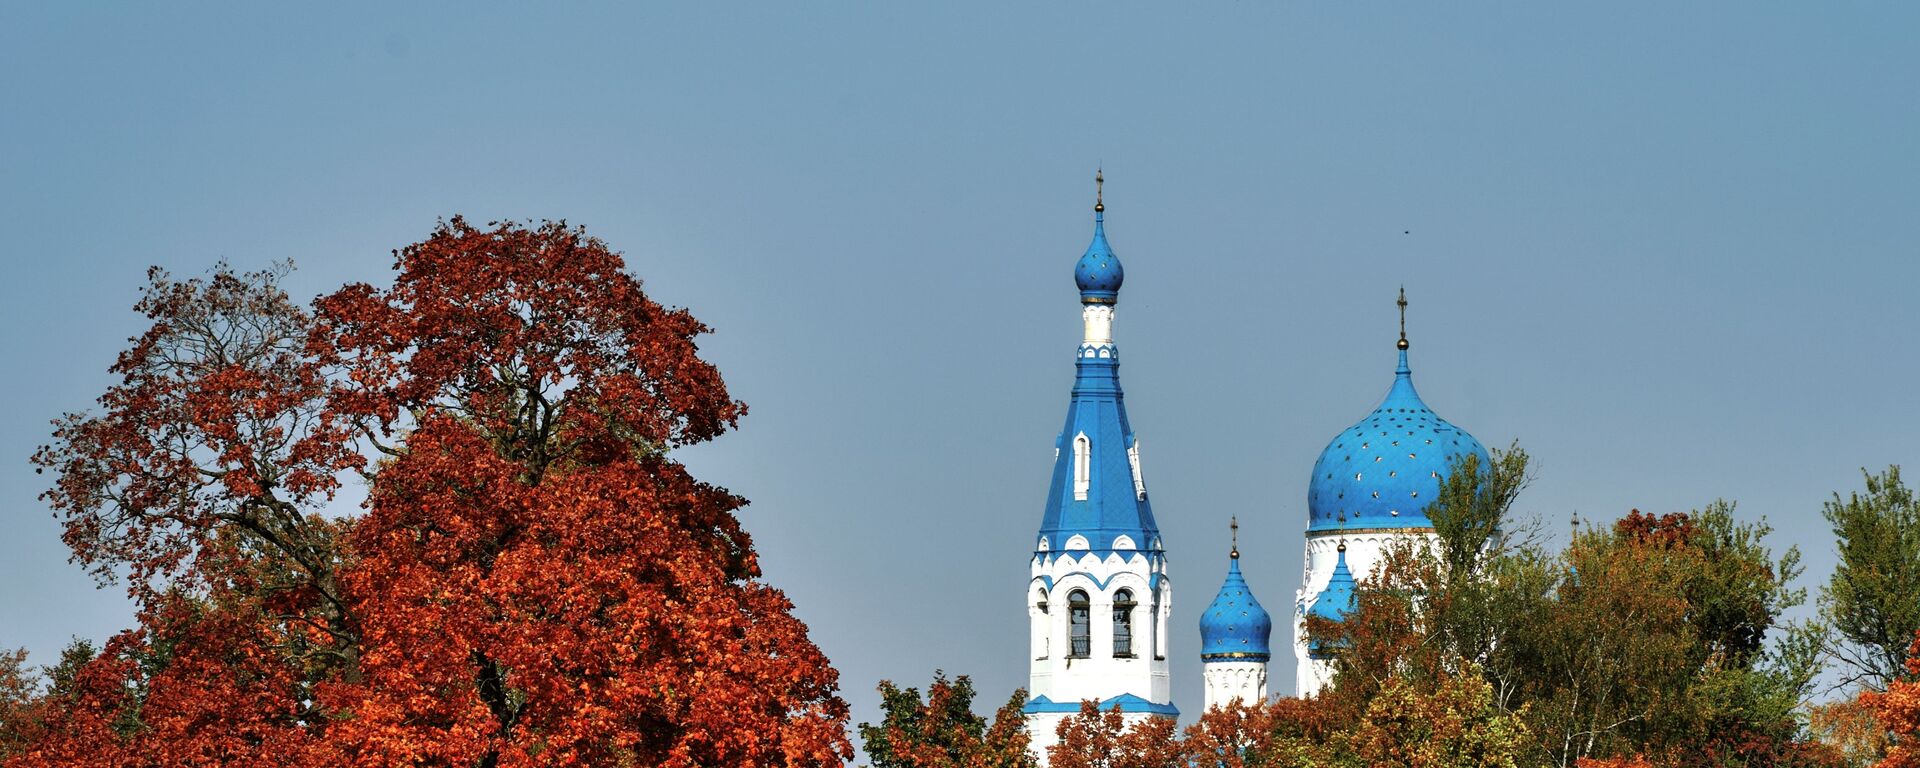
(942, 731)
(1454, 725)
(61, 676)
(1471, 512)
(19, 690)
(1651, 636)
(1873, 599)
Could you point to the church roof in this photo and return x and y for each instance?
(1383, 471)
(1098, 272)
(1113, 504)
(1125, 702)
(1337, 600)
(1234, 627)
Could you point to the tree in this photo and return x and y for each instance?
(1455, 726)
(1636, 761)
(202, 479)
(218, 426)
(19, 695)
(1849, 726)
(1237, 735)
(1649, 637)
(193, 686)
(537, 575)
(1429, 608)
(1097, 737)
(1869, 601)
(942, 730)
(535, 581)
(1898, 710)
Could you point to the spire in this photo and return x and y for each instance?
(1402, 371)
(1099, 492)
(1234, 525)
(1099, 181)
(1403, 317)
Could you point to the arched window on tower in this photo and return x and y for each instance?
(1042, 625)
(1123, 624)
(1082, 466)
(1079, 625)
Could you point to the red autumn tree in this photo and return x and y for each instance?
(201, 481)
(535, 581)
(538, 582)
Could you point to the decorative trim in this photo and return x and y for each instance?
(1337, 533)
(1236, 656)
(1126, 703)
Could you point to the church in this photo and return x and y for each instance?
(1099, 600)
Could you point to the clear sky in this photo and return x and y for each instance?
(1669, 248)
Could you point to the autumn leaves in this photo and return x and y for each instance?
(533, 580)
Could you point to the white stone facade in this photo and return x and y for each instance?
(1104, 672)
(1228, 681)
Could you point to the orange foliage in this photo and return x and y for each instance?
(1238, 735)
(1637, 761)
(1899, 712)
(1097, 738)
(534, 582)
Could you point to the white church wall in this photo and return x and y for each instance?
(1227, 681)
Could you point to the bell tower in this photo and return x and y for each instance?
(1098, 597)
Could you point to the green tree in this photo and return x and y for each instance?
(1660, 634)
(61, 676)
(1456, 725)
(19, 695)
(1872, 602)
(942, 731)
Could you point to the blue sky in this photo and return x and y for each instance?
(1667, 248)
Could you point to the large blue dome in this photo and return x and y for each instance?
(1385, 470)
(1098, 272)
(1234, 626)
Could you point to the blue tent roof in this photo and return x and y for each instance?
(1337, 600)
(1113, 507)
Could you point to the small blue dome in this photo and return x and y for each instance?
(1336, 601)
(1385, 470)
(1234, 626)
(1098, 272)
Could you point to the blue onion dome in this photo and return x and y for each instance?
(1098, 272)
(1234, 627)
(1383, 471)
(1336, 601)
